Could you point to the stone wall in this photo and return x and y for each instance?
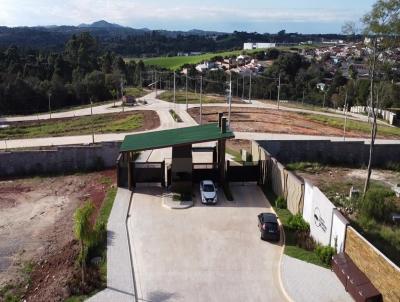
(65, 159)
(331, 152)
(384, 274)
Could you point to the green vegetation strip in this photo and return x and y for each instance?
(175, 116)
(193, 98)
(137, 92)
(291, 248)
(352, 125)
(107, 123)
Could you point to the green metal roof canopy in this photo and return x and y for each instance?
(172, 137)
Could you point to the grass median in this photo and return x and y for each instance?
(107, 123)
(352, 125)
(193, 98)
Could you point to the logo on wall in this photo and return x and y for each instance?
(318, 220)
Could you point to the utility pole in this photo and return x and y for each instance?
(250, 89)
(279, 90)
(243, 89)
(122, 95)
(302, 101)
(187, 105)
(345, 117)
(174, 88)
(155, 81)
(323, 104)
(230, 99)
(201, 104)
(91, 118)
(50, 104)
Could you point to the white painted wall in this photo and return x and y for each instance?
(319, 216)
(339, 224)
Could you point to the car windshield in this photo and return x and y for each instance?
(208, 188)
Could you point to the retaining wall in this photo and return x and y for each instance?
(64, 159)
(383, 273)
(331, 152)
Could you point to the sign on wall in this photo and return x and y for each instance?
(319, 215)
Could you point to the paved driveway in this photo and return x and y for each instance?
(205, 253)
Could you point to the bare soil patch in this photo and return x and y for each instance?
(36, 227)
(246, 119)
(339, 180)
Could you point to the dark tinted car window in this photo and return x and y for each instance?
(208, 188)
(272, 226)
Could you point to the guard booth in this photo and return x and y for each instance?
(181, 172)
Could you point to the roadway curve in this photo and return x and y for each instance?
(166, 122)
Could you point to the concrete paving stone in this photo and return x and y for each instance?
(306, 282)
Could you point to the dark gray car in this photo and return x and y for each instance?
(268, 226)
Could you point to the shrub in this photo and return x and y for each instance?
(297, 223)
(281, 203)
(325, 253)
(378, 203)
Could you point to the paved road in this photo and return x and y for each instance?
(155, 104)
(166, 122)
(205, 253)
(306, 282)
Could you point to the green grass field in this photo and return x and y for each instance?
(193, 98)
(352, 125)
(176, 62)
(137, 92)
(108, 123)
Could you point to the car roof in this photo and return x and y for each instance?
(208, 182)
(269, 217)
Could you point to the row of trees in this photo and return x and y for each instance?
(80, 73)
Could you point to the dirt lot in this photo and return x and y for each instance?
(339, 180)
(273, 121)
(36, 228)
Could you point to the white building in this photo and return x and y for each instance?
(249, 46)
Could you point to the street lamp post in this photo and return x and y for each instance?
(201, 104)
(279, 90)
(91, 118)
(50, 104)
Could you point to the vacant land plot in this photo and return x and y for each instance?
(336, 183)
(106, 123)
(38, 251)
(267, 120)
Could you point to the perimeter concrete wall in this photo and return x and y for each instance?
(65, 159)
(331, 152)
(382, 272)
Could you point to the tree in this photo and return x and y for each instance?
(382, 28)
(84, 233)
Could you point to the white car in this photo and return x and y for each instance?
(208, 192)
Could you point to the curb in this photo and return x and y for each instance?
(285, 293)
(168, 203)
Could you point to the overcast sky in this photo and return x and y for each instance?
(306, 16)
